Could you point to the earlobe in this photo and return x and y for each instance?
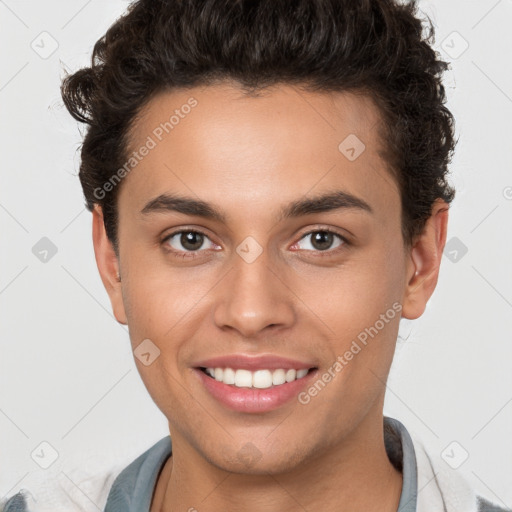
(108, 264)
(424, 262)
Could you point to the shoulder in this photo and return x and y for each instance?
(16, 503)
(442, 488)
(75, 490)
(133, 487)
(72, 491)
(486, 506)
(146, 463)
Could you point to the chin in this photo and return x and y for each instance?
(250, 460)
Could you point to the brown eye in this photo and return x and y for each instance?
(323, 240)
(191, 240)
(187, 241)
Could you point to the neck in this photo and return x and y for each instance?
(354, 476)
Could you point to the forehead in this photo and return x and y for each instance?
(243, 150)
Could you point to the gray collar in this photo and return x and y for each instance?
(133, 488)
(400, 450)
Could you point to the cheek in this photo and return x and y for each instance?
(155, 312)
(354, 296)
(165, 306)
(156, 298)
(363, 310)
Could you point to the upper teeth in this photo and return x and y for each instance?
(259, 379)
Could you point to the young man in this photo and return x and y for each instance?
(268, 187)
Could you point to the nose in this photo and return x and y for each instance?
(253, 297)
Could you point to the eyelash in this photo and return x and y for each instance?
(321, 254)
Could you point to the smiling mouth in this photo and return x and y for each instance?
(259, 379)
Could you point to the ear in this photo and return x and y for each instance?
(424, 261)
(108, 264)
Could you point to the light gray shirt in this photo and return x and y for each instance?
(133, 488)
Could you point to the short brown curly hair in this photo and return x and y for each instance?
(375, 47)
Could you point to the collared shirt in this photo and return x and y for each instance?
(133, 489)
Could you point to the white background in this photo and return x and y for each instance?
(67, 374)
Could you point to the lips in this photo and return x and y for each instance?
(253, 363)
(254, 383)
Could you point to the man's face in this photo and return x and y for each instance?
(263, 279)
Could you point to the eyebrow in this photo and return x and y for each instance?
(331, 201)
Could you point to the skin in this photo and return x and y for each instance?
(249, 157)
